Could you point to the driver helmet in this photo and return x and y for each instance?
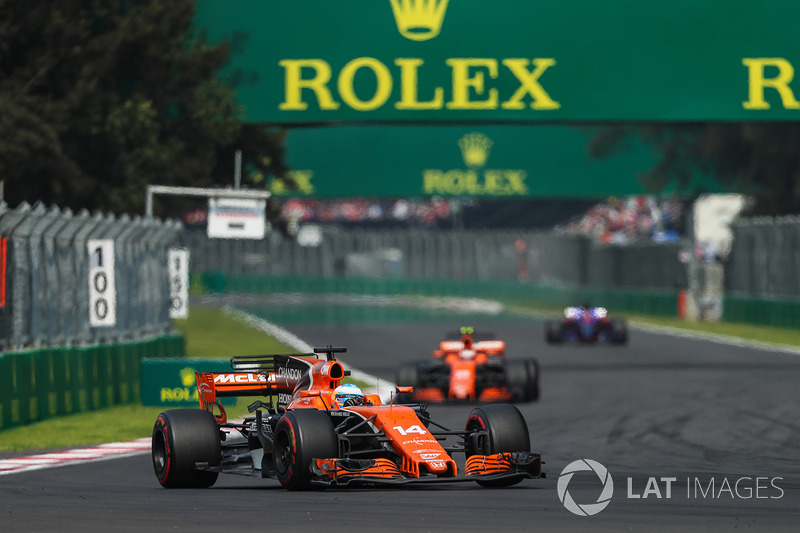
(348, 395)
(468, 354)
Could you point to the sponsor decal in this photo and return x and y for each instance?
(419, 441)
(188, 392)
(254, 428)
(462, 374)
(179, 394)
(239, 378)
(289, 373)
(187, 376)
(470, 88)
(284, 399)
(429, 456)
(302, 180)
(475, 179)
(419, 20)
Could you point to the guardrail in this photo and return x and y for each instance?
(39, 384)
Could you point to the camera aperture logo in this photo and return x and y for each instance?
(664, 487)
(586, 509)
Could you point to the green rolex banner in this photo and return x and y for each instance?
(488, 161)
(171, 382)
(429, 61)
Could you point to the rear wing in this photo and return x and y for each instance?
(489, 347)
(268, 375)
(476, 336)
(260, 375)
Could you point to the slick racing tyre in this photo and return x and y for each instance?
(619, 331)
(407, 375)
(182, 438)
(522, 378)
(553, 332)
(302, 436)
(494, 429)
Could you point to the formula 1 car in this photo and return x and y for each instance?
(587, 324)
(470, 367)
(305, 439)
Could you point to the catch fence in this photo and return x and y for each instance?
(529, 257)
(47, 296)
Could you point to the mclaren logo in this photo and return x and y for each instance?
(419, 20)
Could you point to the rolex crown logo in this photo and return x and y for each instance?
(419, 20)
(187, 377)
(475, 148)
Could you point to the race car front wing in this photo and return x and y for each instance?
(502, 466)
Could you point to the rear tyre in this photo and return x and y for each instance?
(407, 375)
(522, 379)
(181, 438)
(553, 332)
(619, 331)
(302, 436)
(533, 387)
(494, 429)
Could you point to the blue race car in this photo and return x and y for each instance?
(587, 324)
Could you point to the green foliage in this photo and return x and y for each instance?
(757, 159)
(100, 98)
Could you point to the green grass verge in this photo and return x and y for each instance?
(209, 333)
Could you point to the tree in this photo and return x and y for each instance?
(757, 159)
(99, 98)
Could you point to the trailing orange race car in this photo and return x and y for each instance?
(470, 367)
(310, 429)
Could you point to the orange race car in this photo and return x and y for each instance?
(310, 429)
(470, 367)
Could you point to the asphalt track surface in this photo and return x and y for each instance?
(662, 407)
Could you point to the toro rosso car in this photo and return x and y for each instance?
(470, 367)
(587, 325)
(305, 436)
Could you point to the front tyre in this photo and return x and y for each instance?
(494, 429)
(619, 331)
(182, 438)
(302, 436)
(553, 332)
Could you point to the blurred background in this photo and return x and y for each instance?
(391, 150)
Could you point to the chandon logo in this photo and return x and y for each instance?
(583, 465)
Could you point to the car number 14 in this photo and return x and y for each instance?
(412, 429)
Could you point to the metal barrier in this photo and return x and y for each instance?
(765, 258)
(39, 384)
(532, 257)
(44, 290)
